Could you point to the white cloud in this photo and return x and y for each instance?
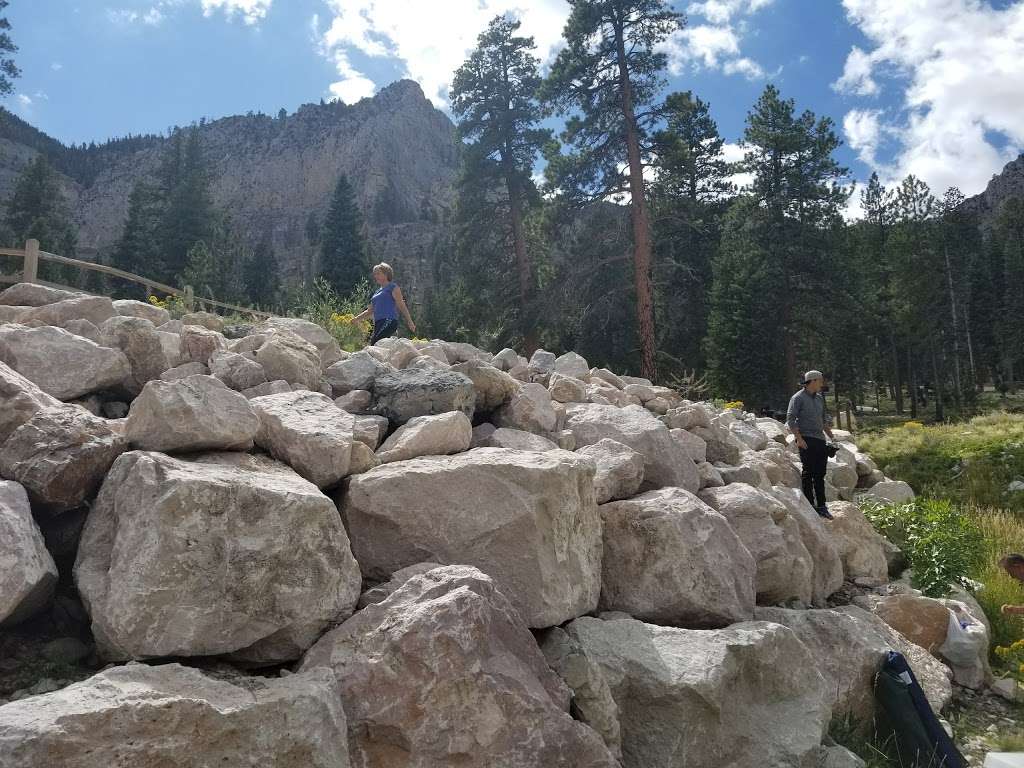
(863, 132)
(733, 153)
(353, 85)
(430, 40)
(56, 66)
(24, 100)
(251, 11)
(856, 77)
(959, 65)
(715, 42)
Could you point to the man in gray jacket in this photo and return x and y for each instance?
(809, 421)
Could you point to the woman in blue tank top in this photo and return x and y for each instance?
(385, 305)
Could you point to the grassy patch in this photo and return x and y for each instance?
(971, 462)
(1002, 532)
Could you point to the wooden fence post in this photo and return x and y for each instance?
(30, 273)
(189, 299)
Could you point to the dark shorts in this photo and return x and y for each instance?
(383, 328)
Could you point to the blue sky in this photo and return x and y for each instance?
(932, 87)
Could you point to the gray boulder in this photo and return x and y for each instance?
(530, 410)
(141, 344)
(238, 372)
(620, 469)
(95, 309)
(493, 387)
(142, 309)
(28, 575)
(224, 554)
(438, 435)
(198, 344)
(491, 508)
(402, 395)
(290, 358)
(355, 372)
(516, 439)
(197, 413)
(33, 295)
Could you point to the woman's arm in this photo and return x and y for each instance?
(400, 303)
(362, 315)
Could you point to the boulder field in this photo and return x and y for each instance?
(423, 554)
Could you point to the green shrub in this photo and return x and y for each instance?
(943, 545)
(322, 305)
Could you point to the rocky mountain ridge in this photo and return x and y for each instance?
(270, 174)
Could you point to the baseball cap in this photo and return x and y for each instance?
(811, 376)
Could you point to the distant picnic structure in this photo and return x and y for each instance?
(31, 256)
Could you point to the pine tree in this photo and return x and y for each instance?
(139, 249)
(343, 257)
(800, 185)
(494, 95)
(1009, 233)
(609, 75)
(38, 210)
(189, 214)
(262, 281)
(8, 70)
(688, 201)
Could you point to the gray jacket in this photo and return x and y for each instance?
(809, 414)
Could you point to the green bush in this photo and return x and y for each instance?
(322, 305)
(943, 545)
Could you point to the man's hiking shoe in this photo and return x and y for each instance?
(823, 512)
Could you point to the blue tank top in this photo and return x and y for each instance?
(383, 303)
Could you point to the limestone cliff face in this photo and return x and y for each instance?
(1003, 186)
(270, 174)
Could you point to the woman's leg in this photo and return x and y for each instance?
(382, 329)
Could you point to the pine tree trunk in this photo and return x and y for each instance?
(956, 335)
(970, 347)
(940, 414)
(641, 223)
(897, 385)
(523, 268)
(913, 385)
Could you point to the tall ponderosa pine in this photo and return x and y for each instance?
(688, 200)
(8, 69)
(607, 77)
(800, 185)
(189, 215)
(494, 96)
(343, 257)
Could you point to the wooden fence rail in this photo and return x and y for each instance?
(31, 256)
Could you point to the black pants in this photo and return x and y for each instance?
(814, 459)
(383, 328)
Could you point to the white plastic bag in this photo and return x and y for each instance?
(964, 644)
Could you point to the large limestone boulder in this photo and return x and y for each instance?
(141, 344)
(95, 309)
(860, 546)
(60, 363)
(694, 446)
(784, 566)
(528, 518)
(827, 572)
(197, 413)
(142, 309)
(223, 554)
(572, 364)
(170, 715)
(461, 352)
(889, 492)
(198, 344)
(209, 320)
(438, 435)
(620, 469)
(922, 620)
(325, 344)
(666, 463)
(516, 439)
(848, 646)
(774, 430)
(21, 399)
(669, 558)
(744, 696)
(59, 454)
(307, 431)
(592, 699)
(748, 434)
(723, 446)
(566, 389)
(687, 416)
(27, 572)
(355, 372)
(529, 409)
(33, 295)
(238, 372)
(493, 387)
(290, 358)
(402, 395)
(442, 673)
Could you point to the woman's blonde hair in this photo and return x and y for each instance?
(386, 270)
